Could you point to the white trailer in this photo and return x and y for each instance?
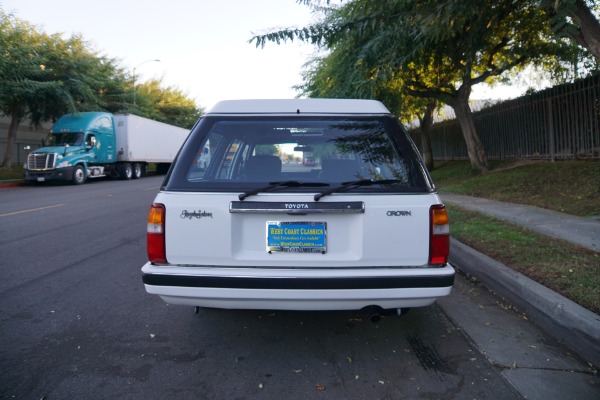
(142, 140)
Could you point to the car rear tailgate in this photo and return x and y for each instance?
(388, 231)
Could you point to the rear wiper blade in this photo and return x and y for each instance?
(362, 182)
(273, 185)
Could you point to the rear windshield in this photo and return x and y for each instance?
(234, 154)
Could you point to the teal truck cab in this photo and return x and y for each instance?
(97, 144)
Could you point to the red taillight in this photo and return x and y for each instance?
(155, 234)
(439, 235)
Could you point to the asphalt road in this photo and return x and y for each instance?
(76, 322)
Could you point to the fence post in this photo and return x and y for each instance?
(550, 128)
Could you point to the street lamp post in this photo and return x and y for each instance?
(134, 68)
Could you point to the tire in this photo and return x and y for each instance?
(126, 172)
(79, 175)
(138, 171)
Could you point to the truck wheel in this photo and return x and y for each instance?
(137, 171)
(126, 172)
(78, 175)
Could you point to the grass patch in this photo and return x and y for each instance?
(15, 173)
(572, 187)
(565, 268)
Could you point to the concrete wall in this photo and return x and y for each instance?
(26, 136)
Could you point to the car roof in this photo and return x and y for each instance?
(299, 106)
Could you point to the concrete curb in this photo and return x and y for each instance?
(567, 321)
(4, 185)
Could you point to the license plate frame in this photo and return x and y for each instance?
(296, 236)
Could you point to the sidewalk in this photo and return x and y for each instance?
(572, 324)
(584, 232)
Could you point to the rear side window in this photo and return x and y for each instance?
(233, 153)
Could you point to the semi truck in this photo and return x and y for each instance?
(90, 145)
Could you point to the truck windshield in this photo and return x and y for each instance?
(65, 138)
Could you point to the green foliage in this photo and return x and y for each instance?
(453, 41)
(576, 20)
(21, 65)
(165, 104)
(44, 76)
(432, 49)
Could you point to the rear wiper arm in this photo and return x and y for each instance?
(273, 185)
(362, 182)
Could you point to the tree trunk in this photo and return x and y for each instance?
(589, 26)
(460, 104)
(15, 121)
(425, 125)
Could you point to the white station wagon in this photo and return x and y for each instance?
(254, 227)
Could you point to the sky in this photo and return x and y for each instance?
(202, 45)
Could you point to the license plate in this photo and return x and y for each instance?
(41, 179)
(297, 237)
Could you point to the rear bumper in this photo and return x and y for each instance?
(298, 289)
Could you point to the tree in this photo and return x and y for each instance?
(343, 74)
(467, 42)
(165, 104)
(574, 19)
(44, 76)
